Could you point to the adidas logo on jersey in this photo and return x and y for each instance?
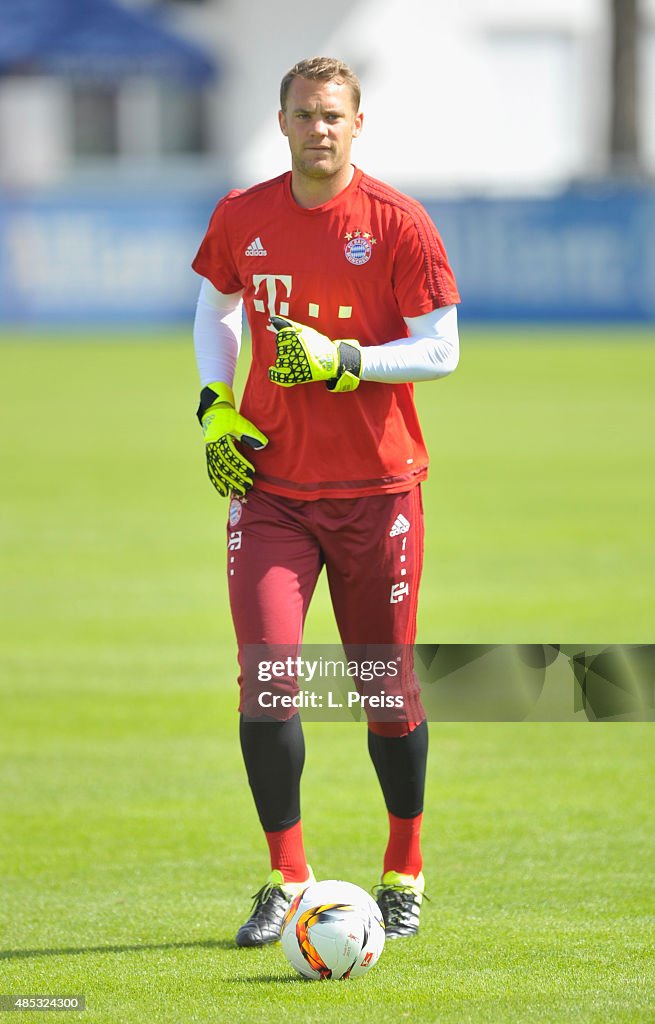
(401, 525)
(256, 248)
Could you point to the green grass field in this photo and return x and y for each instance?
(129, 847)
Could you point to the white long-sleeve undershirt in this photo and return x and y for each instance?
(217, 334)
(430, 352)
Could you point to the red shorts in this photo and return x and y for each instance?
(372, 550)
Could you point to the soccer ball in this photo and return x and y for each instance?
(332, 930)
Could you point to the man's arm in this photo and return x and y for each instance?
(217, 340)
(304, 355)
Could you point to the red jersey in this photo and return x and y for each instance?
(351, 268)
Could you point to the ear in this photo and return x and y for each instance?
(282, 121)
(358, 124)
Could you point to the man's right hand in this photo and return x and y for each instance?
(222, 425)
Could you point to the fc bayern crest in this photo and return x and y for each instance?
(359, 247)
(236, 508)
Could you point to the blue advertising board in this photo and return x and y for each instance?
(582, 255)
(124, 257)
(99, 258)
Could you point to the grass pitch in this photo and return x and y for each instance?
(129, 845)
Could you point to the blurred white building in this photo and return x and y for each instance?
(478, 95)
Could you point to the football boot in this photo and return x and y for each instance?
(270, 905)
(399, 897)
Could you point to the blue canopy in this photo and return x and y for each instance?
(95, 39)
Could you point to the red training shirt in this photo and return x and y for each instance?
(351, 268)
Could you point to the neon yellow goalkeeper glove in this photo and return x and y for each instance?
(305, 355)
(222, 426)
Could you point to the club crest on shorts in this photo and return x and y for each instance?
(359, 247)
(236, 509)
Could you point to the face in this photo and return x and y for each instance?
(320, 122)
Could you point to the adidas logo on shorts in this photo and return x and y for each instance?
(401, 525)
(256, 248)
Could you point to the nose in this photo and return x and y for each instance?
(319, 128)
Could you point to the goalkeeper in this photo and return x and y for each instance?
(350, 299)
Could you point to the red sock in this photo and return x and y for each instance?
(403, 853)
(288, 853)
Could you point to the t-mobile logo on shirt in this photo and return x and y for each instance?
(272, 294)
(270, 303)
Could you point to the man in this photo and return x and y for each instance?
(335, 455)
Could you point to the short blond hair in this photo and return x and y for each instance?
(321, 69)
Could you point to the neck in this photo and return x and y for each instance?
(310, 192)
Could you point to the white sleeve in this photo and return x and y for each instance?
(217, 334)
(430, 352)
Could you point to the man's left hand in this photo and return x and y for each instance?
(305, 355)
